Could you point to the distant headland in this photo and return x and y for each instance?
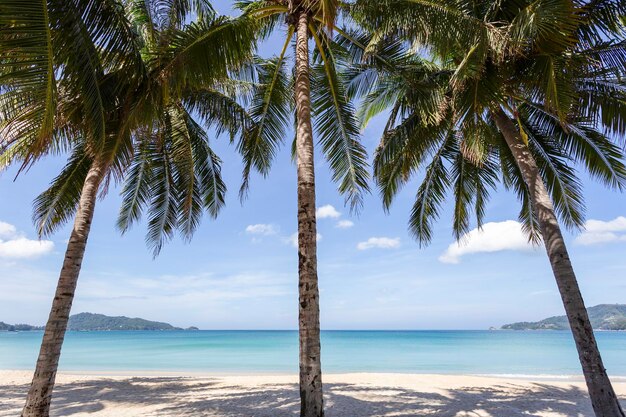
(603, 317)
(100, 322)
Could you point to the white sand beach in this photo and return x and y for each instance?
(346, 395)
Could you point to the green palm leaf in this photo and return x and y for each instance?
(336, 125)
(205, 51)
(270, 109)
(55, 206)
(137, 192)
(28, 92)
(431, 193)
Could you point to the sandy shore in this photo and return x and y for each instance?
(346, 395)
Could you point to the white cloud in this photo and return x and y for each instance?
(15, 246)
(7, 230)
(25, 248)
(616, 225)
(261, 229)
(293, 239)
(326, 212)
(379, 242)
(598, 231)
(493, 237)
(330, 212)
(344, 224)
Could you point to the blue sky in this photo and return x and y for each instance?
(240, 271)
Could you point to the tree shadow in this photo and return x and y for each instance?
(213, 397)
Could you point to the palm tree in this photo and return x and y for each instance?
(526, 91)
(50, 59)
(335, 124)
(86, 82)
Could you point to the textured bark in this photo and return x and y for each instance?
(40, 393)
(603, 398)
(310, 364)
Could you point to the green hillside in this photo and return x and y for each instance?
(99, 322)
(603, 317)
(17, 327)
(90, 321)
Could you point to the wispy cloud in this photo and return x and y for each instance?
(7, 230)
(344, 224)
(214, 286)
(379, 243)
(271, 230)
(598, 231)
(327, 212)
(15, 245)
(216, 295)
(261, 229)
(493, 237)
(193, 295)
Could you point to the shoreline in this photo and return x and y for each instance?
(130, 373)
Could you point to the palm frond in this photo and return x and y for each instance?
(547, 25)
(431, 193)
(219, 110)
(514, 180)
(27, 73)
(270, 109)
(472, 185)
(267, 14)
(583, 143)
(162, 213)
(136, 192)
(208, 170)
(403, 150)
(442, 26)
(561, 180)
(204, 51)
(336, 125)
(57, 205)
(601, 20)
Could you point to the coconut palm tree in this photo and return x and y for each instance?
(76, 76)
(528, 92)
(339, 139)
(51, 72)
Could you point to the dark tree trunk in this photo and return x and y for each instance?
(603, 398)
(40, 393)
(310, 364)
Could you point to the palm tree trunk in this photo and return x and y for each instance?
(603, 398)
(40, 393)
(310, 364)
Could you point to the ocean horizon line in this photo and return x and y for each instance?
(328, 330)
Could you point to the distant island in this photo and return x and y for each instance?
(603, 317)
(100, 322)
(17, 327)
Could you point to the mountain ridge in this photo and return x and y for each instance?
(17, 327)
(602, 317)
(100, 322)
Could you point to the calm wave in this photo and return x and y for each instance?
(451, 352)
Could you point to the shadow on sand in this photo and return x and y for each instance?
(212, 397)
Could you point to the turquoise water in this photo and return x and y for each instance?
(446, 352)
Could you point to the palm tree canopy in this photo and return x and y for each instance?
(556, 68)
(272, 98)
(135, 85)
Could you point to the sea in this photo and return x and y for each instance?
(505, 353)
